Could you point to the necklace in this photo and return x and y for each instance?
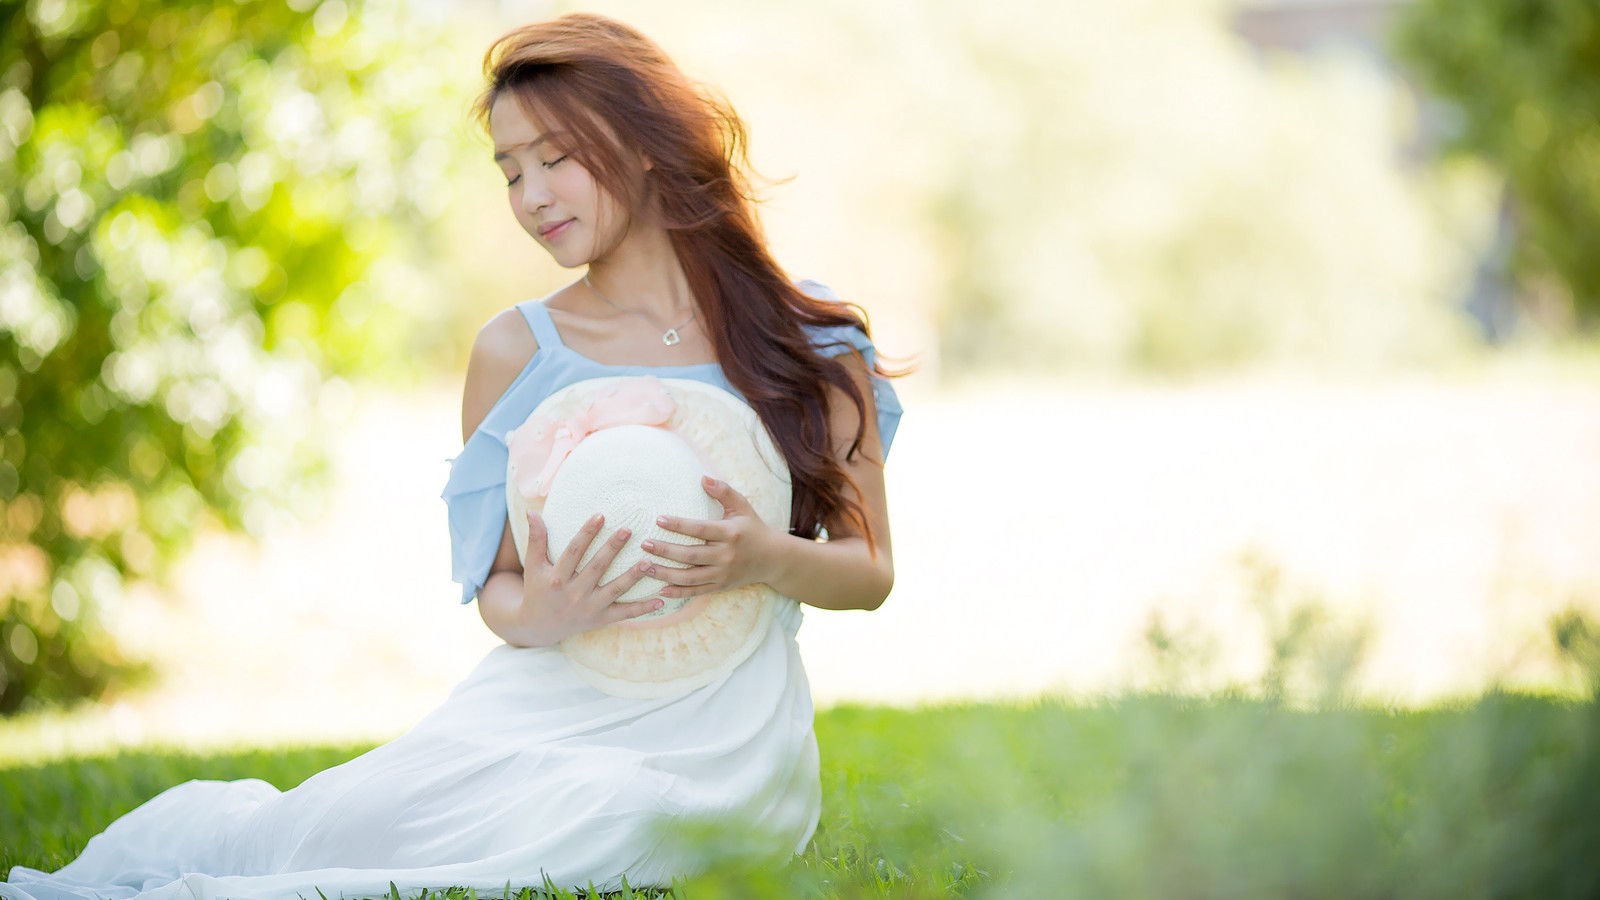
(668, 337)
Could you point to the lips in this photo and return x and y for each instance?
(553, 230)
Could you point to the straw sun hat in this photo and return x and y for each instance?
(631, 448)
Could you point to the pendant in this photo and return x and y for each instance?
(670, 337)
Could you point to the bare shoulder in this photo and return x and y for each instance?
(505, 339)
(504, 345)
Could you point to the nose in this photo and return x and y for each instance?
(535, 196)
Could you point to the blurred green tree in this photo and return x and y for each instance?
(1525, 75)
(209, 214)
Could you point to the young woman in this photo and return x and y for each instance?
(613, 162)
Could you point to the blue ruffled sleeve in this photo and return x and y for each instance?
(475, 492)
(833, 340)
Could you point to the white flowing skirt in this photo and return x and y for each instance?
(523, 771)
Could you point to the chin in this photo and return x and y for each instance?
(564, 259)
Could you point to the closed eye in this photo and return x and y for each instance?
(552, 162)
(513, 181)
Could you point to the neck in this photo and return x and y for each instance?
(643, 274)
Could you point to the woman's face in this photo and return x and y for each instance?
(552, 195)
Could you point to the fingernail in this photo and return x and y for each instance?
(649, 546)
(661, 520)
(650, 570)
(624, 534)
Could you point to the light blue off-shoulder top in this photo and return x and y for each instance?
(475, 492)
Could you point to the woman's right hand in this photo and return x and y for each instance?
(559, 600)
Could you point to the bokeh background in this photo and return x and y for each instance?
(1244, 333)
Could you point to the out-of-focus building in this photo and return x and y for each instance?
(1360, 28)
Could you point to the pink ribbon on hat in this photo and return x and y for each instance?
(540, 445)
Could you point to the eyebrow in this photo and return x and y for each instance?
(502, 152)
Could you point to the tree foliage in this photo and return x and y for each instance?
(1525, 76)
(208, 213)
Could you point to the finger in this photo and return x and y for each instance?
(609, 592)
(597, 565)
(732, 501)
(686, 591)
(705, 529)
(693, 554)
(537, 554)
(693, 575)
(579, 545)
(621, 612)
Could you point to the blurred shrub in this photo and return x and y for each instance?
(1126, 186)
(1525, 77)
(206, 212)
(1135, 189)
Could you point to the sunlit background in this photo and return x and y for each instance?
(1238, 326)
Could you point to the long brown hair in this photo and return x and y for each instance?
(585, 74)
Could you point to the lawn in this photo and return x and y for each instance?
(1139, 796)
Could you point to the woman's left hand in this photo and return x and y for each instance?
(739, 548)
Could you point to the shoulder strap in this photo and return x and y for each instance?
(538, 316)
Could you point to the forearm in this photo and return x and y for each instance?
(836, 574)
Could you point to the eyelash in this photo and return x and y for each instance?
(546, 165)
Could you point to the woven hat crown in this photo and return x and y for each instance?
(607, 460)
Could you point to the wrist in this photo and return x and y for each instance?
(530, 636)
(503, 603)
(530, 632)
(777, 559)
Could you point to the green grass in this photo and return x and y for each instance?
(1145, 796)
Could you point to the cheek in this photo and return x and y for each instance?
(574, 185)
